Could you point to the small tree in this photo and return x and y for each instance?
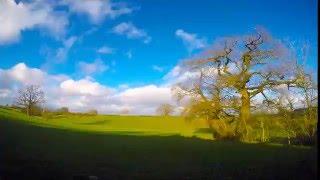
(125, 111)
(30, 97)
(63, 110)
(285, 106)
(309, 92)
(92, 112)
(165, 109)
(47, 113)
(300, 123)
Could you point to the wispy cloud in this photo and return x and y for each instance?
(131, 32)
(19, 16)
(157, 68)
(98, 10)
(129, 54)
(97, 66)
(105, 50)
(190, 40)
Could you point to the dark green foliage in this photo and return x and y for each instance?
(62, 110)
(92, 112)
(35, 111)
(296, 127)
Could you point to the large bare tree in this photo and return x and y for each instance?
(235, 70)
(29, 97)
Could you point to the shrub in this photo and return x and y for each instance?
(62, 110)
(92, 112)
(304, 139)
(223, 130)
(34, 111)
(47, 115)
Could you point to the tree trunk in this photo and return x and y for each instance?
(244, 113)
(263, 132)
(28, 110)
(210, 127)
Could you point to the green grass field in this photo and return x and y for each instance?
(137, 147)
(114, 124)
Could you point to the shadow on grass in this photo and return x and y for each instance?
(203, 131)
(99, 122)
(31, 152)
(279, 140)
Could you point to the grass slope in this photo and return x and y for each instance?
(35, 149)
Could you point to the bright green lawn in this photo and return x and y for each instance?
(127, 147)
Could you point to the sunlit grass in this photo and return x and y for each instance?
(116, 124)
(123, 124)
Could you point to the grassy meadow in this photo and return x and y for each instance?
(115, 124)
(137, 147)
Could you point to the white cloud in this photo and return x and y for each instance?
(4, 93)
(105, 50)
(21, 75)
(145, 99)
(146, 95)
(98, 66)
(180, 75)
(86, 93)
(157, 68)
(18, 17)
(83, 87)
(131, 32)
(83, 94)
(191, 41)
(98, 10)
(123, 86)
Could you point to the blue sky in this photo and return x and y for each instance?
(139, 41)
